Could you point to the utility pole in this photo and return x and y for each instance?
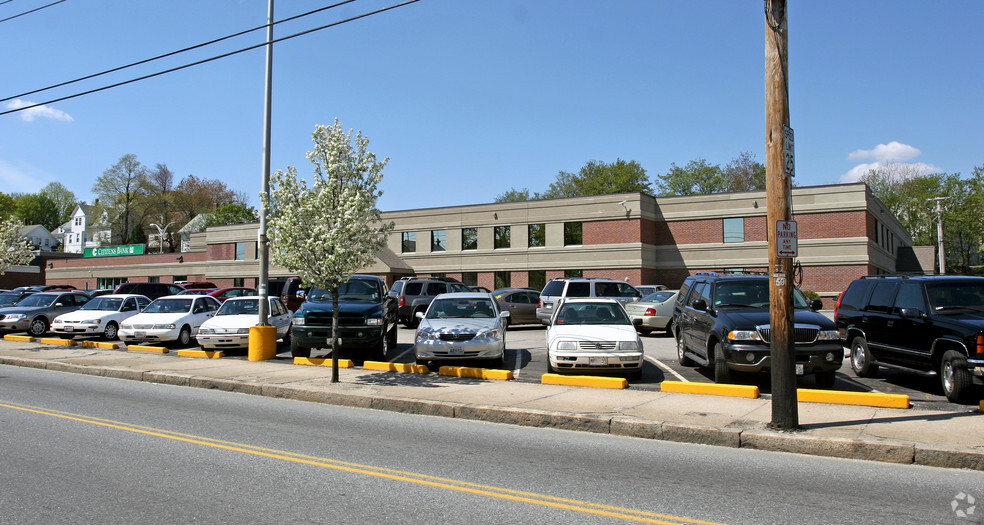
(262, 241)
(779, 168)
(939, 230)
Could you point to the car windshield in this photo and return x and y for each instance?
(103, 303)
(461, 308)
(751, 293)
(352, 290)
(169, 306)
(955, 296)
(8, 299)
(657, 297)
(38, 299)
(240, 307)
(591, 313)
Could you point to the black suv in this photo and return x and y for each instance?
(723, 322)
(415, 294)
(926, 323)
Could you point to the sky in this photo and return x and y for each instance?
(471, 98)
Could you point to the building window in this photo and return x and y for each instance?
(109, 282)
(409, 242)
(238, 281)
(734, 230)
(469, 278)
(537, 279)
(502, 234)
(503, 279)
(538, 235)
(573, 273)
(179, 278)
(469, 238)
(240, 251)
(153, 279)
(572, 234)
(439, 241)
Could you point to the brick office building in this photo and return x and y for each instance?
(844, 232)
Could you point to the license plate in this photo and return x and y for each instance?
(139, 334)
(68, 329)
(799, 370)
(597, 361)
(455, 350)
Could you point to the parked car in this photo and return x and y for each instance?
(571, 287)
(101, 291)
(196, 291)
(230, 326)
(11, 298)
(649, 289)
(234, 291)
(461, 326)
(723, 322)
(196, 284)
(100, 316)
(151, 290)
(414, 294)
(480, 289)
(521, 304)
(292, 293)
(172, 318)
(593, 336)
(924, 324)
(34, 312)
(655, 310)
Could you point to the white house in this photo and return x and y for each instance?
(39, 237)
(82, 231)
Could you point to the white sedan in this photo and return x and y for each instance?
(100, 316)
(655, 310)
(591, 337)
(169, 318)
(230, 326)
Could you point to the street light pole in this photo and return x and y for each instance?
(939, 231)
(161, 232)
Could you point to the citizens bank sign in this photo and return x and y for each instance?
(110, 251)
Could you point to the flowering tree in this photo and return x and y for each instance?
(326, 232)
(15, 250)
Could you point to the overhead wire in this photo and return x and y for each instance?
(31, 11)
(172, 53)
(211, 59)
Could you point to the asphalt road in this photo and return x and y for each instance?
(88, 449)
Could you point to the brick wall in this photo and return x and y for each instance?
(613, 232)
(222, 252)
(809, 226)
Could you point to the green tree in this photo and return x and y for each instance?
(326, 232)
(599, 178)
(122, 190)
(8, 206)
(514, 195)
(15, 250)
(696, 178)
(232, 213)
(744, 173)
(37, 208)
(63, 198)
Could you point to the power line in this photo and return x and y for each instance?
(231, 53)
(172, 53)
(31, 11)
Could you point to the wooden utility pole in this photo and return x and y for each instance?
(779, 168)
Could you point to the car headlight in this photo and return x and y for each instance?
(374, 321)
(828, 335)
(427, 335)
(164, 327)
(126, 326)
(628, 345)
(92, 321)
(206, 331)
(299, 320)
(744, 335)
(486, 335)
(14, 317)
(567, 345)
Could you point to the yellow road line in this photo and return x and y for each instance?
(409, 477)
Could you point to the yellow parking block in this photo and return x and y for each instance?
(713, 389)
(323, 361)
(478, 373)
(837, 397)
(100, 344)
(58, 341)
(395, 367)
(142, 348)
(24, 338)
(592, 381)
(208, 354)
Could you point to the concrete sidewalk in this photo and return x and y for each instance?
(936, 438)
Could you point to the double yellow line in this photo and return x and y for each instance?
(368, 470)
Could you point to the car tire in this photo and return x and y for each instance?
(825, 380)
(38, 327)
(722, 374)
(956, 380)
(681, 354)
(111, 332)
(392, 334)
(669, 328)
(379, 352)
(496, 363)
(413, 319)
(635, 375)
(550, 368)
(861, 361)
(297, 350)
(184, 337)
(286, 338)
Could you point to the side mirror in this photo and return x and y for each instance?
(545, 322)
(419, 315)
(816, 304)
(636, 321)
(911, 313)
(700, 304)
(300, 294)
(504, 313)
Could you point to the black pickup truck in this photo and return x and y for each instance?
(366, 319)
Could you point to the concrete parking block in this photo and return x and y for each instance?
(21, 338)
(871, 399)
(151, 349)
(477, 373)
(100, 344)
(589, 381)
(207, 354)
(58, 341)
(323, 361)
(714, 389)
(395, 367)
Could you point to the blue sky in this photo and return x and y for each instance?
(469, 98)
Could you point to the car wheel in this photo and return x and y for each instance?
(38, 327)
(379, 353)
(825, 380)
(635, 375)
(184, 336)
(956, 379)
(297, 350)
(392, 337)
(550, 368)
(722, 374)
(286, 338)
(861, 358)
(681, 352)
(111, 331)
(669, 328)
(413, 322)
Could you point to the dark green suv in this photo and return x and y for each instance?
(722, 322)
(927, 323)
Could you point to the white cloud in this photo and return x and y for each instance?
(37, 112)
(892, 152)
(903, 170)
